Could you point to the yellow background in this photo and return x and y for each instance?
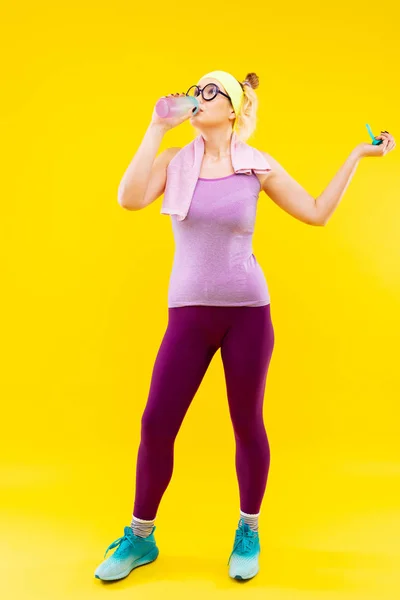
(84, 302)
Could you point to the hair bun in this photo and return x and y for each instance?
(251, 80)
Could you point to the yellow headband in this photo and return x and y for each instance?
(232, 87)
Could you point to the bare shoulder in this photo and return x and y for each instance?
(169, 153)
(272, 161)
(275, 168)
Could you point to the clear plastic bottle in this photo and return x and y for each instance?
(176, 106)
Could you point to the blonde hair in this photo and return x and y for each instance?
(247, 117)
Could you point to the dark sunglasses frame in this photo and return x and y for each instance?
(201, 92)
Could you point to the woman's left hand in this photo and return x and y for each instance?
(387, 145)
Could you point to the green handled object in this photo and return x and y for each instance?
(374, 141)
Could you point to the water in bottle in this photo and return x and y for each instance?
(176, 106)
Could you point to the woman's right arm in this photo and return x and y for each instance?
(145, 178)
(143, 167)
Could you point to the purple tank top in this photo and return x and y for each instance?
(214, 262)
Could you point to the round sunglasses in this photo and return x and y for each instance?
(209, 92)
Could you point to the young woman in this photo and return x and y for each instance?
(218, 298)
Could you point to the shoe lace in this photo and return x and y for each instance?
(118, 543)
(244, 539)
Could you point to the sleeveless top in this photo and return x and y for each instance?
(214, 262)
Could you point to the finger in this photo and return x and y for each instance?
(387, 135)
(383, 143)
(382, 137)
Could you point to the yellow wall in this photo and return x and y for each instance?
(84, 302)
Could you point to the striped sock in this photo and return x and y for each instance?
(251, 520)
(141, 527)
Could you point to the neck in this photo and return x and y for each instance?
(217, 143)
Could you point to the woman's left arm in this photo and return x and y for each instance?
(287, 193)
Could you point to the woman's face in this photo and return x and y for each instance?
(215, 112)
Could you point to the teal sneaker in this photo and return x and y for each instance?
(132, 551)
(244, 556)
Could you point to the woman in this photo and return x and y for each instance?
(218, 297)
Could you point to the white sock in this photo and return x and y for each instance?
(141, 527)
(251, 520)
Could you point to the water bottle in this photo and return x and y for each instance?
(176, 106)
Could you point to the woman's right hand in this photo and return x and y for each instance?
(170, 122)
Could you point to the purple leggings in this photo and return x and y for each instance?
(194, 333)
